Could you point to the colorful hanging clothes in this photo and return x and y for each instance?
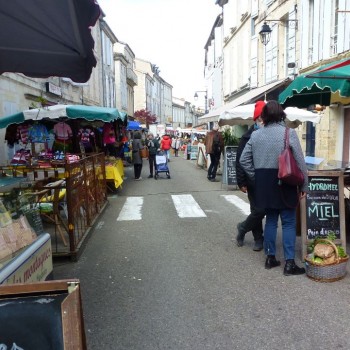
(38, 133)
(22, 133)
(108, 134)
(86, 135)
(62, 131)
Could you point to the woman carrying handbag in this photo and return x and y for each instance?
(136, 156)
(260, 161)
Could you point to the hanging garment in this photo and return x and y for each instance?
(62, 131)
(86, 135)
(38, 133)
(11, 134)
(22, 133)
(108, 134)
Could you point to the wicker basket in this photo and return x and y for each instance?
(326, 273)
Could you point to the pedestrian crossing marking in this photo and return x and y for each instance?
(187, 207)
(131, 209)
(239, 203)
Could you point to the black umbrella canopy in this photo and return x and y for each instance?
(42, 38)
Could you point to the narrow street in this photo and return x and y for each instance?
(167, 278)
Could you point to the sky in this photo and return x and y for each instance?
(170, 34)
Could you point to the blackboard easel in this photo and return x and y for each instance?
(229, 175)
(323, 208)
(41, 316)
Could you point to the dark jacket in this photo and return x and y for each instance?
(260, 161)
(152, 146)
(241, 176)
(136, 147)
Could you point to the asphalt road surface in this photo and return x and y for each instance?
(161, 271)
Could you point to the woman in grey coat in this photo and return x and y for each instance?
(260, 161)
(136, 157)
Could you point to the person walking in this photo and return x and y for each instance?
(253, 222)
(165, 145)
(175, 145)
(136, 157)
(152, 145)
(214, 146)
(259, 159)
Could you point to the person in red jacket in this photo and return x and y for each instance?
(165, 145)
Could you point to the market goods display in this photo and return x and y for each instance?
(326, 262)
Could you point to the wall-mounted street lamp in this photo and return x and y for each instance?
(205, 97)
(265, 32)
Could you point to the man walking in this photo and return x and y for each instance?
(254, 220)
(214, 146)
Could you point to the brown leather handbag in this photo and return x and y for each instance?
(288, 170)
(144, 152)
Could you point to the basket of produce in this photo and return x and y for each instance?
(326, 262)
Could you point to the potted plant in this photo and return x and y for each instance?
(229, 138)
(326, 261)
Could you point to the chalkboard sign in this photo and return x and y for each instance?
(230, 155)
(44, 331)
(41, 316)
(194, 152)
(322, 209)
(34, 218)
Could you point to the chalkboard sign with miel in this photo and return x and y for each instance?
(322, 209)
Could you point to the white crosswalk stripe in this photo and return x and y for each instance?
(239, 203)
(187, 207)
(131, 209)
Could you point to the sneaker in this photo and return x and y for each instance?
(271, 262)
(150, 176)
(258, 245)
(291, 268)
(138, 179)
(240, 235)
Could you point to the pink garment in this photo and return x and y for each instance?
(62, 131)
(22, 133)
(108, 134)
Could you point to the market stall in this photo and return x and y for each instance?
(65, 153)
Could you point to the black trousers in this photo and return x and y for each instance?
(137, 170)
(253, 222)
(213, 167)
(152, 163)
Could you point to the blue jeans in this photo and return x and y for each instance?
(167, 153)
(288, 218)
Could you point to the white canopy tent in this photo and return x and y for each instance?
(243, 115)
(190, 131)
